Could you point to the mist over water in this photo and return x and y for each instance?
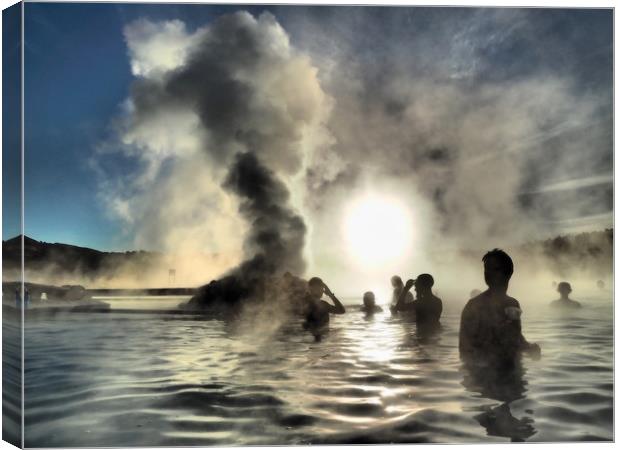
(149, 379)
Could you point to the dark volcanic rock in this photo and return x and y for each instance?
(229, 293)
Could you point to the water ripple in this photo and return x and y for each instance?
(153, 380)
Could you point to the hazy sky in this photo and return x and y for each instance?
(488, 123)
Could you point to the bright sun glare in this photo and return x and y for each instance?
(378, 230)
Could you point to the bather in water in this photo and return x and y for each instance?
(317, 311)
(427, 307)
(369, 307)
(565, 289)
(490, 331)
(398, 286)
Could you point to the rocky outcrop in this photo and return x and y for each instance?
(230, 293)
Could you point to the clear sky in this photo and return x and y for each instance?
(374, 65)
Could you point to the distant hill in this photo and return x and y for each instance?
(58, 260)
(58, 264)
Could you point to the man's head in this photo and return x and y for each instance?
(564, 289)
(423, 284)
(397, 282)
(498, 268)
(316, 287)
(369, 299)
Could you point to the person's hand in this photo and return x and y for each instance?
(409, 284)
(534, 351)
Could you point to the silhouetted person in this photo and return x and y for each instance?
(600, 284)
(564, 302)
(398, 287)
(369, 304)
(426, 307)
(490, 329)
(474, 293)
(318, 311)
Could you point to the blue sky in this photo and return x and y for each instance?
(77, 74)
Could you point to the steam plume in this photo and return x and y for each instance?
(226, 108)
(276, 238)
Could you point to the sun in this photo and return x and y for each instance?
(378, 230)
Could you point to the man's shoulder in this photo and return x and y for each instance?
(481, 301)
(477, 301)
(511, 301)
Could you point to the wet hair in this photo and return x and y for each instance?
(396, 280)
(369, 297)
(505, 261)
(564, 285)
(424, 280)
(315, 281)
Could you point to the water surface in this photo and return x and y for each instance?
(122, 379)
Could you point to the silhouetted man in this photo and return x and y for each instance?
(427, 307)
(564, 302)
(317, 310)
(491, 322)
(369, 304)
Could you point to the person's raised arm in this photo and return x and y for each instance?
(338, 308)
(403, 294)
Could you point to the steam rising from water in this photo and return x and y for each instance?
(465, 146)
(238, 106)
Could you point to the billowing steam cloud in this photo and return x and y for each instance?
(466, 114)
(214, 123)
